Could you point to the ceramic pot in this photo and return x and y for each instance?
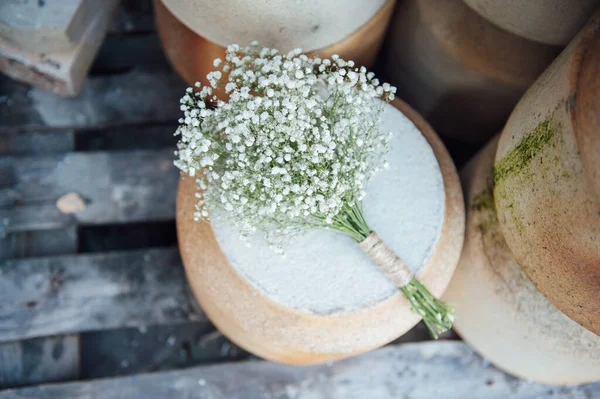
(192, 54)
(462, 73)
(499, 312)
(547, 174)
(553, 22)
(325, 299)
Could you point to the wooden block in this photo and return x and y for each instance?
(446, 370)
(498, 309)
(547, 180)
(61, 72)
(46, 26)
(462, 73)
(74, 293)
(305, 308)
(39, 360)
(553, 22)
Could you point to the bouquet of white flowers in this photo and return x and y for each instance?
(293, 148)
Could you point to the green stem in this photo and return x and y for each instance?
(437, 315)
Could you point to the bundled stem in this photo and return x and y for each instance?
(437, 315)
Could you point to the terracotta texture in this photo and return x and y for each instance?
(499, 312)
(546, 174)
(553, 22)
(281, 24)
(192, 55)
(462, 73)
(270, 330)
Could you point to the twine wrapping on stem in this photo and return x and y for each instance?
(437, 315)
(386, 259)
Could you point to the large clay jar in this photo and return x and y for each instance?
(195, 32)
(462, 73)
(553, 22)
(547, 174)
(325, 299)
(499, 312)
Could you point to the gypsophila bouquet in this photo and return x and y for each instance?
(292, 149)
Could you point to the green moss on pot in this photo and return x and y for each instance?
(522, 154)
(485, 209)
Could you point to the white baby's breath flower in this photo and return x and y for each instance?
(297, 140)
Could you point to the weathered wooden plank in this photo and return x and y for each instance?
(132, 97)
(66, 294)
(448, 370)
(47, 359)
(123, 186)
(61, 71)
(39, 360)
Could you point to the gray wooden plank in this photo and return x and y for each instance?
(132, 97)
(74, 293)
(47, 359)
(120, 186)
(448, 370)
(39, 360)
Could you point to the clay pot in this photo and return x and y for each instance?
(242, 290)
(192, 55)
(547, 180)
(499, 312)
(462, 73)
(553, 22)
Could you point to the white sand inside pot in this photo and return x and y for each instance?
(326, 272)
(281, 24)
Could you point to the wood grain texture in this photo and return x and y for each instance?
(446, 370)
(65, 294)
(120, 186)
